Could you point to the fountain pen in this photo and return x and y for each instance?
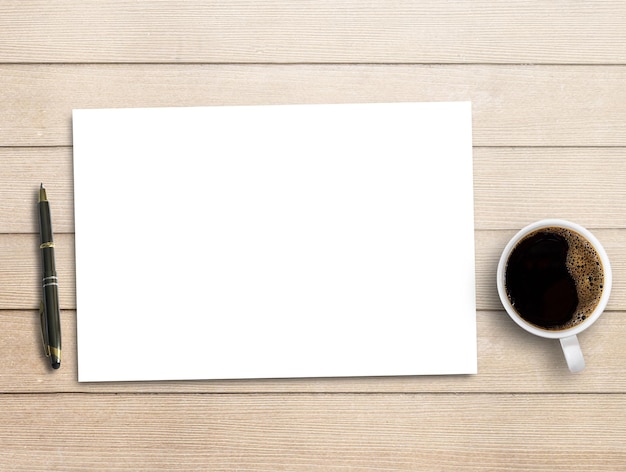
(49, 309)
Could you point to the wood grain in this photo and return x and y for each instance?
(515, 186)
(280, 31)
(509, 361)
(511, 105)
(313, 432)
(546, 81)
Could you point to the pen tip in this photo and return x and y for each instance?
(56, 365)
(42, 194)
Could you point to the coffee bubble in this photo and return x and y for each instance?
(585, 267)
(554, 278)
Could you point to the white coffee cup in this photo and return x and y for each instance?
(569, 341)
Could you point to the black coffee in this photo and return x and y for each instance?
(554, 278)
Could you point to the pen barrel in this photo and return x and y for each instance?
(49, 265)
(46, 239)
(52, 312)
(45, 223)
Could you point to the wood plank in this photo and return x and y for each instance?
(20, 271)
(509, 360)
(512, 105)
(21, 171)
(274, 31)
(313, 432)
(512, 187)
(515, 186)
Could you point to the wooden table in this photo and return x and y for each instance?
(548, 86)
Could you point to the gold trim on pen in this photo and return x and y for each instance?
(46, 245)
(55, 352)
(42, 194)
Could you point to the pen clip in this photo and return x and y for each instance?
(44, 330)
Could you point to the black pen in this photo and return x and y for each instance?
(49, 311)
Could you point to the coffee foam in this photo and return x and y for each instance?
(584, 265)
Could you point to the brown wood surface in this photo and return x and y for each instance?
(321, 31)
(335, 432)
(547, 81)
(512, 105)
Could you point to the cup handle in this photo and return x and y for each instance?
(573, 354)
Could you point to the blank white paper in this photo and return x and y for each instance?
(274, 241)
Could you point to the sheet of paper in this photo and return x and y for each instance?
(274, 241)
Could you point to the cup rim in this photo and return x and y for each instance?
(607, 284)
